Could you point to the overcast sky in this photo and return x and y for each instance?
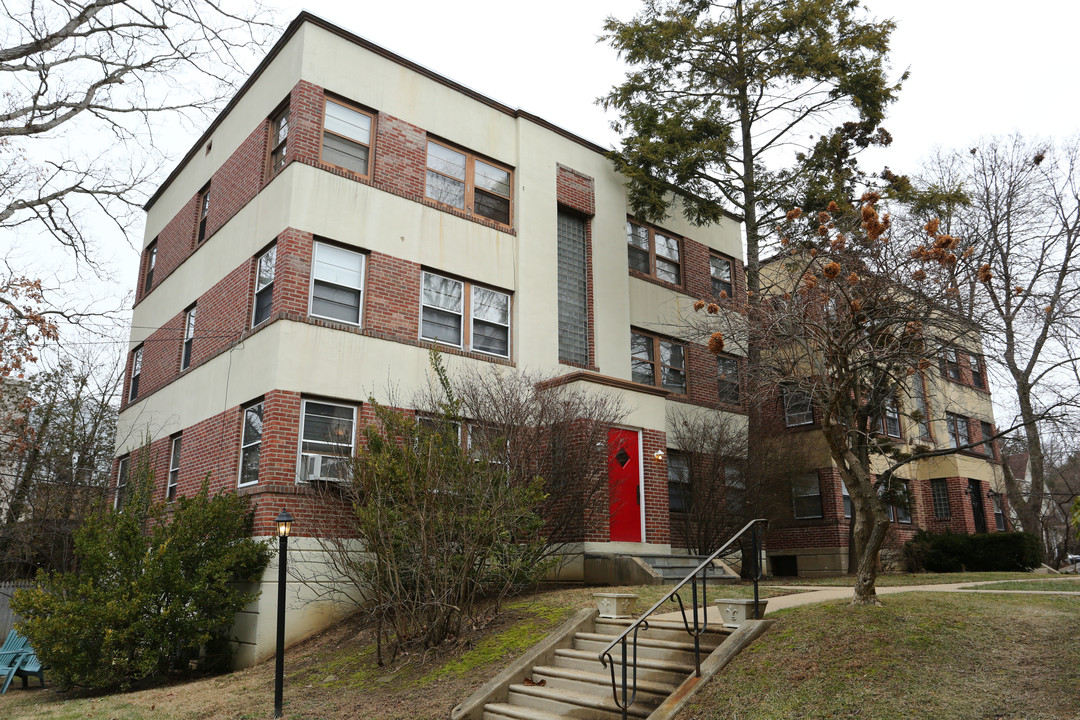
(978, 67)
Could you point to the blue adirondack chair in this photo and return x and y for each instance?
(29, 667)
(11, 657)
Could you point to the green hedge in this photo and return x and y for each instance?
(984, 552)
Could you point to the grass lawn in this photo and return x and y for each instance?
(1042, 585)
(919, 655)
(335, 675)
(897, 579)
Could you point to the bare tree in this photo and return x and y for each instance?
(57, 448)
(1017, 204)
(846, 326)
(83, 83)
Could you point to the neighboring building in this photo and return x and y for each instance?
(962, 492)
(349, 210)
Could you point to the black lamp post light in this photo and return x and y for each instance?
(284, 527)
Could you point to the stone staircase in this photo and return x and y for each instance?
(673, 568)
(572, 684)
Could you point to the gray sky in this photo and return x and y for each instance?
(978, 67)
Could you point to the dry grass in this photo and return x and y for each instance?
(334, 675)
(919, 655)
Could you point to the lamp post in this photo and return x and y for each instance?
(284, 527)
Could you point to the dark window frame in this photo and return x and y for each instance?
(656, 362)
(369, 146)
(123, 469)
(730, 389)
(789, 396)
(939, 493)
(151, 263)
(634, 251)
(680, 482)
(806, 478)
(718, 284)
(959, 430)
(470, 189)
(203, 213)
(278, 145)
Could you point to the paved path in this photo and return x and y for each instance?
(844, 593)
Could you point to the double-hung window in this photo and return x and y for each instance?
(728, 367)
(327, 436)
(902, 504)
(720, 273)
(204, 212)
(265, 267)
(846, 498)
(999, 513)
(797, 408)
(653, 252)
(121, 482)
(978, 371)
(279, 140)
(189, 338)
(922, 408)
(337, 283)
(958, 429)
(939, 491)
(446, 302)
(658, 361)
(136, 372)
(346, 137)
(889, 423)
(680, 491)
(806, 496)
(151, 261)
(952, 363)
(464, 181)
(987, 431)
(251, 443)
(174, 468)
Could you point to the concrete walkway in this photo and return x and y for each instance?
(844, 593)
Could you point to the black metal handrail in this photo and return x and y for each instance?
(629, 691)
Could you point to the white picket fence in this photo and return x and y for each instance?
(7, 618)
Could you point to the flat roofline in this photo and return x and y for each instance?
(306, 16)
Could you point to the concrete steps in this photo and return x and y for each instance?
(572, 684)
(674, 568)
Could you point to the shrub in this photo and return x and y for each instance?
(984, 552)
(149, 591)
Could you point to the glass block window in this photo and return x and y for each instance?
(573, 290)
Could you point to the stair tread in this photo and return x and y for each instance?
(647, 642)
(577, 698)
(521, 712)
(601, 678)
(650, 663)
(663, 625)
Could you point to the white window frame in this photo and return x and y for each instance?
(467, 310)
(122, 469)
(473, 319)
(136, 373)
(845, 500)
(358, 288)
(272, 253)
(187, 347)
(175, 447)
(300, 454)
(801, 418)
(244, 445)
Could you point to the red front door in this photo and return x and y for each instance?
(624, 475)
